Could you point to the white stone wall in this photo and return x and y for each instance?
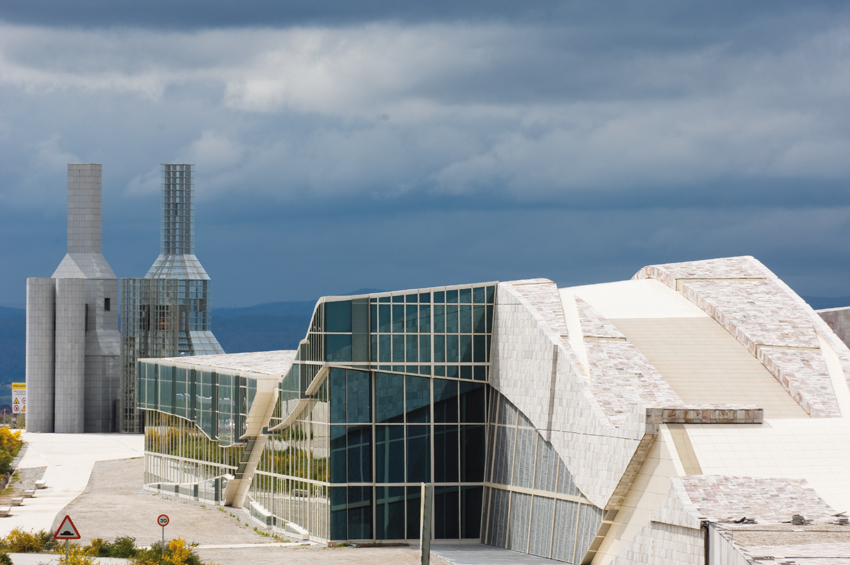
(41, 301)
(838, 319)
(672, 537)
(533, 368)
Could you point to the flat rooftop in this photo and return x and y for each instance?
(261, 364)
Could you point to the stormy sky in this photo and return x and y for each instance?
(391, 145)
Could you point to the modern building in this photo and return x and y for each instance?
(72, 347)
(166, 313)
(697, 413)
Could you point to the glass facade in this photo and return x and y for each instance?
(166, 313)
(387, 391)
(402, 401)
(193, 420)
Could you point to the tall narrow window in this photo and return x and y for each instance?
(107, 304)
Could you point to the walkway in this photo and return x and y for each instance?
(69, 459)
(486, 555)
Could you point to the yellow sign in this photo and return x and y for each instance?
(19, 398)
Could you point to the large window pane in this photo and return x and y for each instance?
(446, 514)
(398, 318)
(425, 318)
(359, 397)
(411, 321)
(414, 503)
(389, 454)
(479, 325)
(478, 295)
(439, 349)
(418, 395)
(386, 348)
(480, 348)
(418, 454)
(424, 348)
(465, 319)
(359, 454)
(445, 454)
(412, 348)
(451, 319)
(337, 382)
(226, 423)
(338, 347)
(445, 401)
(398, 348)
(360, 513)
(439, 318)
(338, 316)
(451, 349)
(339, 504)
(389, 513)
(338, 458)
(385, 324)
(472, 402)
(180, 400)
(166, 389)
(466, 348)
(389, 398)
(472, 454)
(470, 511)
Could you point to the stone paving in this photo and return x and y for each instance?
(726, 499)
(774, 324)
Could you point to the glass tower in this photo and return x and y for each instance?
(166, 313)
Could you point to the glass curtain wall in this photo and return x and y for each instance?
(193, 421)
(403, 402)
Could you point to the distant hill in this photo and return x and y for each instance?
(260, 332)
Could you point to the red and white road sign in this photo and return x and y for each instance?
(67, 530)
(162, 520)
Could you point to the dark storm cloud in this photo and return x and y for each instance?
(390, 144)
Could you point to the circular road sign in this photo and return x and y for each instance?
(162, 520)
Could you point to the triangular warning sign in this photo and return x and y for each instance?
(67, 530)
(16, 401)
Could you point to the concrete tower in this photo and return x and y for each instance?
(166, 313)
(73, 351)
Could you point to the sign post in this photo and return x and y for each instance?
(425, 524)
(67, 531)
(162, 520)
(19, 399)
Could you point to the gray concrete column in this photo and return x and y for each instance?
(41, 303)
(103, 356)
(69, 399)
(84, 210)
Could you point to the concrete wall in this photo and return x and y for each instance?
(41, 303)
(838, 319)
(69, 400)
(84, 208)
(103, 356)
